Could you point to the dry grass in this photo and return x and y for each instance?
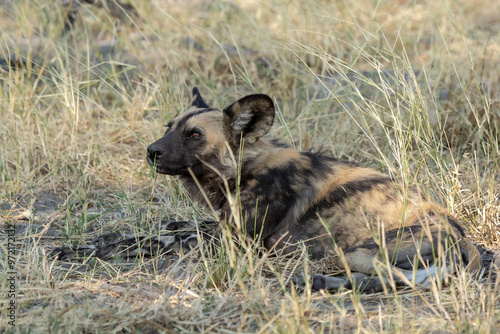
(411, 88)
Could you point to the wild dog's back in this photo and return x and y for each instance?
(296, 194)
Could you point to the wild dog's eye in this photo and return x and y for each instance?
(194, 134)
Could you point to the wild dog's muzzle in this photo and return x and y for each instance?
(165, 162)
(154, 153)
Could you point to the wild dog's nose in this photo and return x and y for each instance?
(154, 153)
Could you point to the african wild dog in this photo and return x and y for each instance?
(287, 196)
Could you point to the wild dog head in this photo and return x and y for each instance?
(198, 141)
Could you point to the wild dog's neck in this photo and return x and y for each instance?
(201, 189)
(209, 185)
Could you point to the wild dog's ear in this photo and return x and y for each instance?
(197, 100)
(250, 117)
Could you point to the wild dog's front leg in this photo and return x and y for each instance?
(182, 235)
(129, 246)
